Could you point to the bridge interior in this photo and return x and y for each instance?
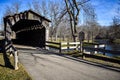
(29, 32)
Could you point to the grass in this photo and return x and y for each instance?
(114, 57)
(117, 57)
(117, 41)
(71, 52)
(103, 62)
(11, 74)
(76, 54)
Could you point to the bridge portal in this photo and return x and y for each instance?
(29, 28)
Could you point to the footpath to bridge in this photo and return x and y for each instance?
(43, 65)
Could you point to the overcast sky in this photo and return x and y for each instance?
(105, 9)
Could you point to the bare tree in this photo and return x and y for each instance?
(52, 10)
(41, 6)
(36, 6)
(90, 21)
(17, 6)
(114, 29)
(64, 29)
(10, 9)
(56, 12)
(73, 10)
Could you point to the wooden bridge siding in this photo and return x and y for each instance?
(44, 22)
(11, 20)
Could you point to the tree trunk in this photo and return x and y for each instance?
(74, 38)
(92, 37)
(51, 38)
(56, 37)
(88, 36)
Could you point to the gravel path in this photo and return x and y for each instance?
(42, 65)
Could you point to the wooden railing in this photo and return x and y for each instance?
(63, 45)
(76, 45)
(99, 48)
(94, 47)
(102, 50)
(70, 45)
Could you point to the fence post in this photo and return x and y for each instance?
(96, 46)
(46, 45)
(68, 46)
(83, 55)
(76, 45)
(104, 49)
(81, 46)
(60, 47)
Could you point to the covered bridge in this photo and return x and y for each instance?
(27, 28)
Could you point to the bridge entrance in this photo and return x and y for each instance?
(29, 32)
(29, 28)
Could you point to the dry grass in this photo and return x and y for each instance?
(78, 55)
(103, 62)
(11, 74)
(117, 41)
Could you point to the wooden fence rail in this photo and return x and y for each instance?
(69, 45)
(102, 50)
(75, 45)
(63, 45)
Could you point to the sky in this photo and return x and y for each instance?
(105, 9)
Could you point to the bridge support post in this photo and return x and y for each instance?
(16, 60)
(47, 36)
